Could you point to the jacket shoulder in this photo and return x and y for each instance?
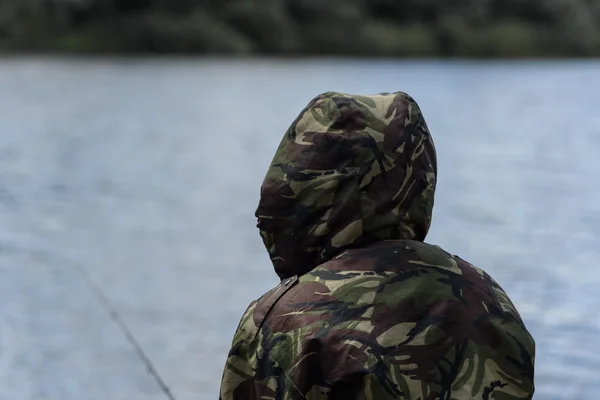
(407, 307)
(251, 372)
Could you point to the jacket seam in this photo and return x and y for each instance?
(286, 375)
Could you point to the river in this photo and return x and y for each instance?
(130, 185)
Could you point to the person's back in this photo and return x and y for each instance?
(366, 309)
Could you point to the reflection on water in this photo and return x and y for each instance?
(146, 174)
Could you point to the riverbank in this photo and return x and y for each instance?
(159, 35)
(378, 28)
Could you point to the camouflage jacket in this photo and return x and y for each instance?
(366, 309)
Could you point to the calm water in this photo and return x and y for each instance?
(141, 177)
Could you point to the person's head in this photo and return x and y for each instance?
(350, 171)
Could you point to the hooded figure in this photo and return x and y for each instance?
(365, 309)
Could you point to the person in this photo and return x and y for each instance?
(365, 308)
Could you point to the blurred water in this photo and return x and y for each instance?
(144, 174)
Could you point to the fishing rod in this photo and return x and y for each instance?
(116, 318)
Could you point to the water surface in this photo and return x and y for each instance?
(141, 176)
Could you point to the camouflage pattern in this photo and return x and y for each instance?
(366, 309)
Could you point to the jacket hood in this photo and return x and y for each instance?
(350, 171)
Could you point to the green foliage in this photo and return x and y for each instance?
(408, 28)
(386, 39)
(197, 32)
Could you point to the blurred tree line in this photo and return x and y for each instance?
(405, 28)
